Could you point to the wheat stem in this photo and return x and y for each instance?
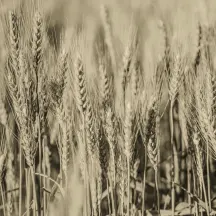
(113, 198)
(189, 179)
(173, 151)
(144, 182)
(208, 176)
(157, 162)
(20, 180)
(128, 188)
(157, 190)
(36, 205)
(3, 199)
(108, 197)
(28, 186)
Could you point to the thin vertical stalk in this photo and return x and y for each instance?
(40, 169)
(44, 180)
(205, 196)
(34, 192)
(128, 188)
(202, 183)
(172, 163)
(195, 191)
(3, 200)
(144, 183)
(157, 190)
(208, 177)
(86, 171)
(189, 180)
(86, 195)
(113, 199)
(156, 167)
(108, 197)
(28, 183)
(123, 195)
(20, 181)
(201, 195)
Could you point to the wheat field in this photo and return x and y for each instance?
(107, 108)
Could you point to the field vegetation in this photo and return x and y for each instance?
(107, 108)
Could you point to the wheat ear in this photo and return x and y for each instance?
(14, 41)
(108, 34)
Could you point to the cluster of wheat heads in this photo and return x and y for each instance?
(107, 127)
